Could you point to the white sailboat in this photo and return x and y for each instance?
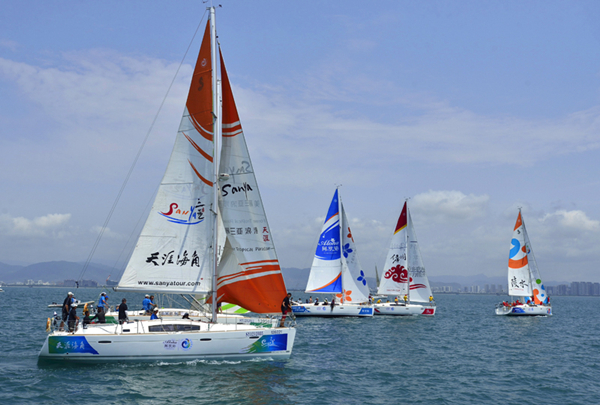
(209, 185)
(524, 278)
(336, 270)
(404, 274)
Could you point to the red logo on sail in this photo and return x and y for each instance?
(398, 274)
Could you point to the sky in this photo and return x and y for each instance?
(469, 109)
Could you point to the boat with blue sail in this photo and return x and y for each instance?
(336, 270)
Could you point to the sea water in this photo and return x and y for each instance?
(463, 355)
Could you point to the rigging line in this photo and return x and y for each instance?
(114, 206)
(134, 231)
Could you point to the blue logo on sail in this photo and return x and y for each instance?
(516, 246)
(328, 247)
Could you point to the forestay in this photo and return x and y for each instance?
(174, 250)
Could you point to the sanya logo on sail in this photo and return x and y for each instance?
(226, 189)
(192, 216)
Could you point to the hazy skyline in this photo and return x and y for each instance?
(471, 109)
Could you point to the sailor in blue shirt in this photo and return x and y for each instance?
(147, 305)
(102, 307)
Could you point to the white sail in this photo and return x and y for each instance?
(394, 280)
(354, 281)
(420, 291)
(326, 270)
(174, 253)
(519, 282)
(538, 290)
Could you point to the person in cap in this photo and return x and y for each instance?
(66, 308)
(147, 305)
(102, 307)
(73, 318)
(154, 314)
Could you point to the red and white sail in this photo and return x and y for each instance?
(174, 253)
(394, 278)
(249, 274)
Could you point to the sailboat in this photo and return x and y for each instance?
(404, 274)
(336, 270)
(524, 278)
(209, 185)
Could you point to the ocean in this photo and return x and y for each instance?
(463, 355)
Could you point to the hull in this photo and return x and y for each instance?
(390, 308)
(524, 310)
(338, 310)
(168, 341)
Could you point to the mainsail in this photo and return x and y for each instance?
(325, 272)
(175, 251)
(519, 282)
(354, 281)
(249, 274)
(395, 270)
(419, 283)
(538, 291)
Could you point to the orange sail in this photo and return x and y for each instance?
(249, 274)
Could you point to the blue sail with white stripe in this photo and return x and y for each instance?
(325, 273)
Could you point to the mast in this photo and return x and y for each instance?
(341, 239)
(407, 261)
(216, 156)
(528, 247)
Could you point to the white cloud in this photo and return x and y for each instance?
(574, 220)
(51, 225)
(107, 233)
(449, 205)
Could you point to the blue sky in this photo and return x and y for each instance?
(469, 108)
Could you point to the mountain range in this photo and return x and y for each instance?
(295, 278)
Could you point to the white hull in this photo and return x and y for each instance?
(135, 341)
(390, 308)
(337, 310)
(524, 310)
